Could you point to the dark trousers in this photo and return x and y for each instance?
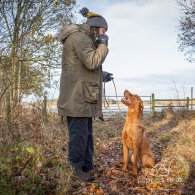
(80, 146)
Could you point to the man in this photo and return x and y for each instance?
(84, 51)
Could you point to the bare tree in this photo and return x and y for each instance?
(186, 36)
(28, 50)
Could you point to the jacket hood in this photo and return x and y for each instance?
(69, 29)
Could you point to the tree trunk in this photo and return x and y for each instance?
(8, 111)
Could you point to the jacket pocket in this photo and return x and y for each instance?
(91, 92)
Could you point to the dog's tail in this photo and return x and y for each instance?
(148, 160)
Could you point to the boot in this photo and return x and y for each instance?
(89, 169)
(83, 175)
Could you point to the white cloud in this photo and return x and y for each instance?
(144, 54)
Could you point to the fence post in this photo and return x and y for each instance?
(188, 103)
(153, 105)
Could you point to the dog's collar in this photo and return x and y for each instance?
(135, 125)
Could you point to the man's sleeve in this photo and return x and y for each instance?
(91, 57)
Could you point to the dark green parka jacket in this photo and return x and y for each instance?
(81, 76)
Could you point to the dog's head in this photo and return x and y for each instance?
(133, 102)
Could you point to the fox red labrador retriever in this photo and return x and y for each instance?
(133, 135)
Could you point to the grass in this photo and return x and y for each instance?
(34, 154)
(175, 131)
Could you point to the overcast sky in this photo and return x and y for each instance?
(143, 49)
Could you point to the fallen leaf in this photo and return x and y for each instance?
(99, 191)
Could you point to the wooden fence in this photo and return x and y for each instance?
(188, 104)
(112, 105)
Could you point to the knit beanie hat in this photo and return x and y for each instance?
(94, 19)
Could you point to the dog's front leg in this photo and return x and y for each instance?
(125, 157)
(136, 151)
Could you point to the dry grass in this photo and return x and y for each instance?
(37, 147)
(172, 133)
(34, 154)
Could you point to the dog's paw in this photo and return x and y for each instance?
(125, 168)
(135, 172)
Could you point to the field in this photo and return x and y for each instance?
(34, 157)
(112, 104)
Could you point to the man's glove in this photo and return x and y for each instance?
(102, 39)
(107, 76)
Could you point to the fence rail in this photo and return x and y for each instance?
(112, 105)
(187, 103)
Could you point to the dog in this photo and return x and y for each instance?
(134, 136)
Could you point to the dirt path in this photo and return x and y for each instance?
(164, 178)
(35, 161)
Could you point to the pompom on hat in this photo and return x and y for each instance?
(94, 19)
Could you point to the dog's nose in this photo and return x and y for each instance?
(126, 91)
